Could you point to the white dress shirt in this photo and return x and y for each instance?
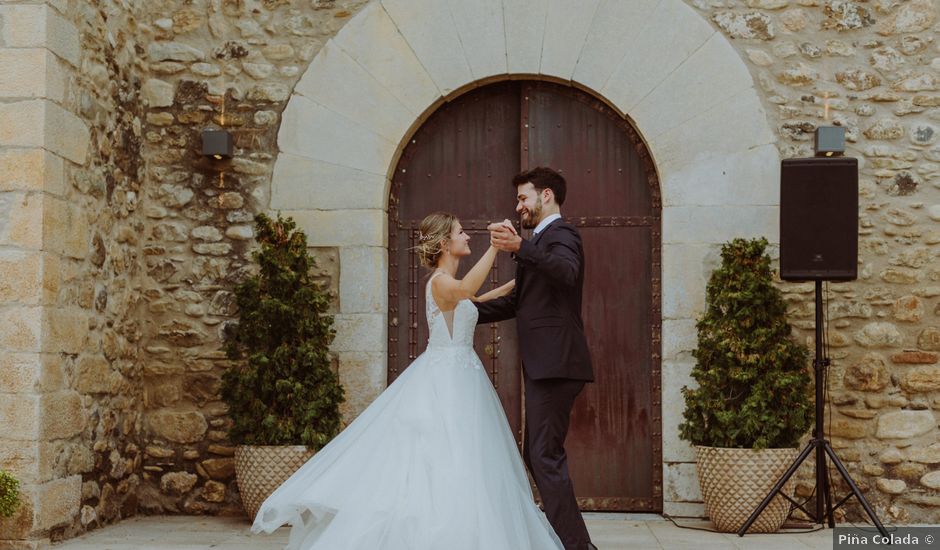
(549, 219)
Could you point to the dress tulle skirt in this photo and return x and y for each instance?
(430, 465)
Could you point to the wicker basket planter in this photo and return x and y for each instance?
(262, 469)
(735, 481)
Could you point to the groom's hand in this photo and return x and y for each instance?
(505, 240)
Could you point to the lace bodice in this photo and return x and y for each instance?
(451, 328)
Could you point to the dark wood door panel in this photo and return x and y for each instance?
(462, 160)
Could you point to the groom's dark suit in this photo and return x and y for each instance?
(546, 303)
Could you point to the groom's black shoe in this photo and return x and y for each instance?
(591, 546)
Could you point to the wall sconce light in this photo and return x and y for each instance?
(829, 141)
(216, 144)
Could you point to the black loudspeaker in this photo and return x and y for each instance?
(819, 219)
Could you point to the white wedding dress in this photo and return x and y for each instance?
(431, 464)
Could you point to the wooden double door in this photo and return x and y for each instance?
(462, 160)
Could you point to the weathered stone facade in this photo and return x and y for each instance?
(874, 69)
(70, 162)
(120, 244)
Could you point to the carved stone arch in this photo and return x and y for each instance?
(657, 63)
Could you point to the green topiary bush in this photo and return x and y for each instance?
(753, 382)
(282, 390)
(9, 494)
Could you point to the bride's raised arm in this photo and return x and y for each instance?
(453, 290)
(496, 292)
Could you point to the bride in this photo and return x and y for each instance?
(431, 464)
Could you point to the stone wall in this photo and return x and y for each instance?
(69, 157)
(877, 67)
(228, 64)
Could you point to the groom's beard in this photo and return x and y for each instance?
(531, 221)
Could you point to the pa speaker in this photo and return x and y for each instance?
(819, 219)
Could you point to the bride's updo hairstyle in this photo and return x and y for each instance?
(433, 237)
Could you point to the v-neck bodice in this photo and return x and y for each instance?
(459, 332)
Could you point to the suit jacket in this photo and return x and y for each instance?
(546, 303)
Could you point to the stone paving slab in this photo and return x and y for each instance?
(608, 531)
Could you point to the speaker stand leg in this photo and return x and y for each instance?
(822, 447)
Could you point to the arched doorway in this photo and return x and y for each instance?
(462, 160)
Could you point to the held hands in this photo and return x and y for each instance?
(503, 236)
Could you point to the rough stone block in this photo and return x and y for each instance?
(19, 372)
(429, 29)
(41, 123)
(736, 126)
(20, 276)
(65, 134)
(61, 414)
(360, 332)
(905, 424)
(745, 177)
(675, 375)
(654, 54)
(612, 35)
(363, 375)
(65, 331)
(363, 288)
(179, 427)
(718, 224)
(24, 26)
(19, 417)
(303, 183)
(680, 482)
(337, 82)
(686, 269)
(36, 26)
(679, 339)
(566, 28)
(526, 18)
(715, 73)
(313, 131)
(21, 219)
(372, 39)
(94, 375)
(65, 229)
(482, 33)
(20, 459)
(342, 227)
(31, 170)
(22, 123)
(23, 74)
(58, 502)
(52, 277)
(21, 329)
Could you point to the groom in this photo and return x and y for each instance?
(546, 303)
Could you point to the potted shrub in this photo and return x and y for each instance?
(753, 402)
(282, 392)
(9, 494)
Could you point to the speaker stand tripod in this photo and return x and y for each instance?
(822, 448)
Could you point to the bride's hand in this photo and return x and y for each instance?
(500, 226)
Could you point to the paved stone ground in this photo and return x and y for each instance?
(609, 532)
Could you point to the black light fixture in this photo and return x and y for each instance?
(217, 144)
(829, 141)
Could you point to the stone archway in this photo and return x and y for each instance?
(371, 86)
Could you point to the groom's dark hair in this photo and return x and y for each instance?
(541, 178)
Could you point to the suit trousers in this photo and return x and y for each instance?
(548, 405)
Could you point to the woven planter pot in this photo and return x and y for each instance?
(735, 481)
(262, 469)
